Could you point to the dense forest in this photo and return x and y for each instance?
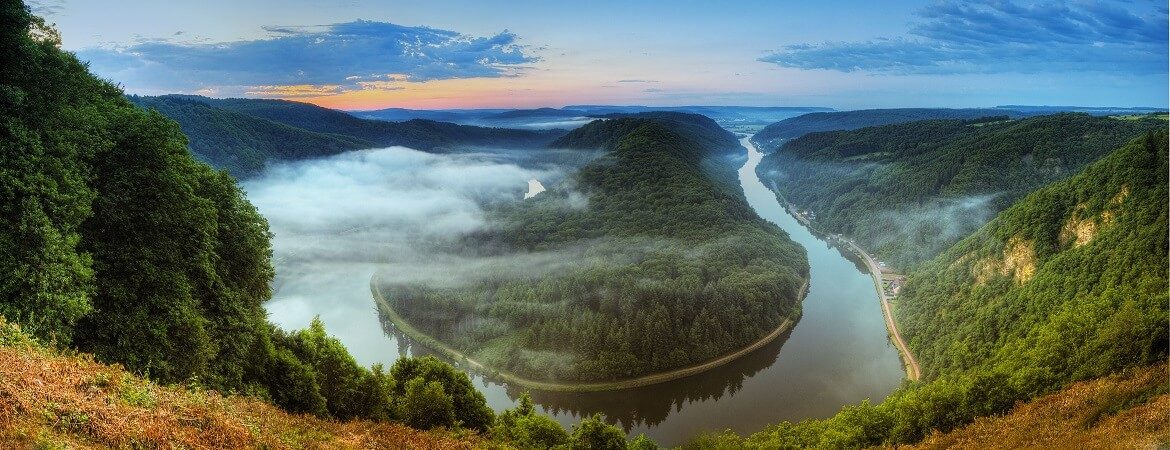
(668, 267)
(243, 144)
(117, 242)
(242, 135)
(772, 136)
(1068, 284)
(908, 191)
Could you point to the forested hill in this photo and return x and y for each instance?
(116, 242)
(711, 138)
(908, 191)
(1067, 284)
(775, 134)
(240, 143)
(238, 132)
(659, 267)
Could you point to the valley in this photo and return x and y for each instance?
(243, 224)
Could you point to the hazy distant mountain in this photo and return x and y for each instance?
(242, 135)
(773, 135)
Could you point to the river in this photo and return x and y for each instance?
(838, 353)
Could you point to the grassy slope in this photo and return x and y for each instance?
(1127, 410)
(52, 399)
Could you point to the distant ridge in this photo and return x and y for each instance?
(244, 135)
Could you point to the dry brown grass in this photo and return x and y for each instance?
(50, 400)
(1129, 410)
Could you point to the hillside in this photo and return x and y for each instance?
(1127, 410)
(1124, 410)
(240, 143)
(664, 267)
(242, 135)
(1068, 284)
(118, 243)
(908, 191)
(702, 130)
(62, 400)
(419, 134)
(773, 135)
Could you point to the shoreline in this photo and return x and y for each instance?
(913, 371)
(553, 386)
(909, 363)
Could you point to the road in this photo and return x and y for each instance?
(913, 372)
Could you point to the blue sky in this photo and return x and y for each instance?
(438, 54)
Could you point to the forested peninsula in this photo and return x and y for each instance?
(670, 266)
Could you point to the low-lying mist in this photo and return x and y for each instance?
(396, 211)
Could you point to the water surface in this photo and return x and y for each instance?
(838, 353)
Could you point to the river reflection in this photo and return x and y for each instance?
(639, 408)
(838, 353)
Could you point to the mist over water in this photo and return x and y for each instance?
(336, 221)
(398, 212)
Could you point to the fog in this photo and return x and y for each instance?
(396, 211)
(935, 226)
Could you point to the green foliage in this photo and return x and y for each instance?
(425, 405)
(243, 135)
(292, 384)
(641, 442)
(348, 389)
(240, 143)
(523, 428)
(592, 433)
(664, 267)
(470, 407)
(989, 333)
(907, 192)
(773, 135)
(49, 129)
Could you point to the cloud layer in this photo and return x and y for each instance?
(994, 36)
(345, 56)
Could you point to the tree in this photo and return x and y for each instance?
(424, 405)
(594, 434)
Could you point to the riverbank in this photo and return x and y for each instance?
(913, 371)
(645, 380)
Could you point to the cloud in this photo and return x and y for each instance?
(46, 8)
(340, 54)
(297, 90)
(637, 81)
(992, 36)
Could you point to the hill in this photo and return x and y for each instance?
(712, 139)
(118, 243)
(1126, 410)
(58, 400)
(908, 191)
(1083, 259)
(660, 267)
(244, 134)
(240, 143)
(772, 136)
(1068, 284)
